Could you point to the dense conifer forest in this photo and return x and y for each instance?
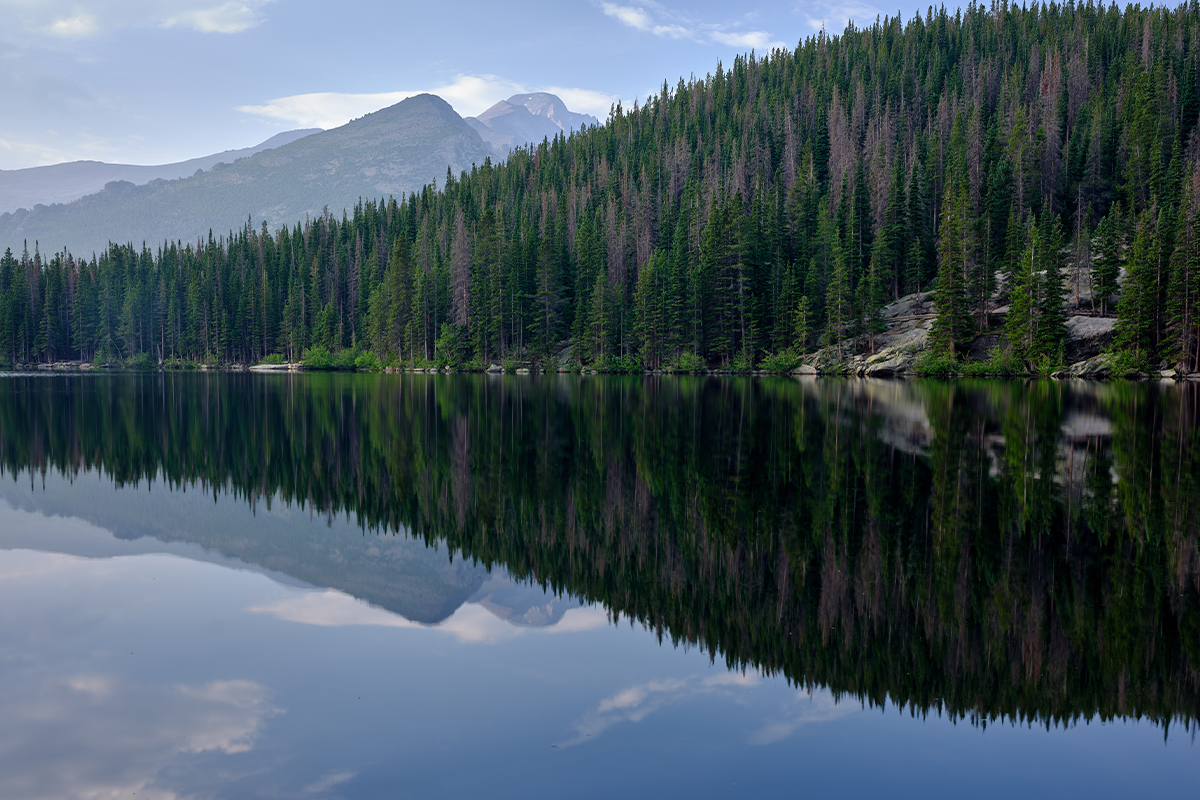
(1002, 157)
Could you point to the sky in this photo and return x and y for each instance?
(157, 81)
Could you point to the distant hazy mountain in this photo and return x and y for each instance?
(62, 183)
(527, 119)
(397, 150)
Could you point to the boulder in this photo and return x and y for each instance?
(1091, 369)
(1088, 337)
(981, 349)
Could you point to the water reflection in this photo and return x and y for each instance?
(986, 550)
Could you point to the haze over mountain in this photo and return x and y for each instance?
(62, 183)
(396, 150)
(527, 119)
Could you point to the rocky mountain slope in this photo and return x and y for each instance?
(527, 119)
(393, 151)
(62, 183)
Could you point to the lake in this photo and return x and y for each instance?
(380, 586)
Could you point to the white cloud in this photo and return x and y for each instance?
(71, 19)
(833, 18)
(470, 95)
(227, 18)
(74, 27)
(637, 18)
(759, 41)
(584, 101)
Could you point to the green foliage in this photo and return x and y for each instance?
(273, 359)
(318, 358)
(741, 363)
(627, 365)
(140, 362)
(782, 362)
(935, 364)
(367, 361)
(688, 362)
(1124, 363)
(998, 364)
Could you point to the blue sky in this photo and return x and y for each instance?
(154, 81)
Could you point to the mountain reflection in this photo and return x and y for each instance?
(989, 550)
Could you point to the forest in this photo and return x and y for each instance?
(999, 157)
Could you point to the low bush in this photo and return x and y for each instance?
(367, 360)
(782, 362)
(319, 358)
(743, 362)
(935, 365)
(689, 362)
(140, 362)
(274, 359)
(1125, 363)
(620, 365)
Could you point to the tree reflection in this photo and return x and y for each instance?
(989, 550)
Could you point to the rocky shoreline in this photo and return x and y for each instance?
(890, 354)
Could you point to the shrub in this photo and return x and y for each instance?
(781, 362)
(367, 360)
(929, 363)
(317, 357)
(621, 365)
(690, 362)
(274, 359)
(742, 362)
(1125, 363)
(175, 362)
(141, 362)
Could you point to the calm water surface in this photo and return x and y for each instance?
(361, 586)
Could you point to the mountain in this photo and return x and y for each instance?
(62, 183)
(527, 119)
(394, 151)
(550, 106)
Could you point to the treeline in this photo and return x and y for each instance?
(1016, 160)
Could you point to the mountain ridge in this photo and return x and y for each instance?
(70, 180)
(390, 152)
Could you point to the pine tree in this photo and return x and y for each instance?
(951, 329)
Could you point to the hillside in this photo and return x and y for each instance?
(62, 183)
(390, 152)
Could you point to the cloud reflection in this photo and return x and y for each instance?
(98, 736)
(471, 623)
(807, 710)
(637, 702)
